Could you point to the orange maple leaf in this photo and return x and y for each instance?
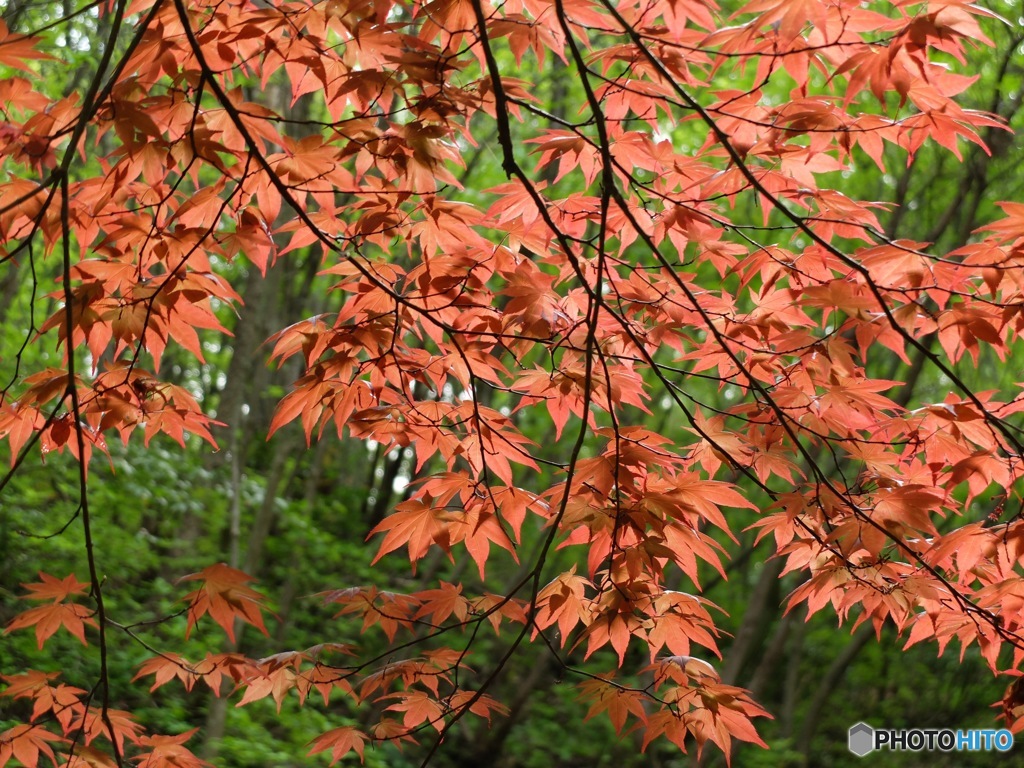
(168, 752)
(340, 741)
(24, 743)
(225, 596)
(47, 619)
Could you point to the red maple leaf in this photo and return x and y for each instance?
(225, 596)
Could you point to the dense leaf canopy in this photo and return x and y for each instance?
(625, 323)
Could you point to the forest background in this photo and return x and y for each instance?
(294, 511)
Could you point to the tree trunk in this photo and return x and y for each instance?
(828, 685)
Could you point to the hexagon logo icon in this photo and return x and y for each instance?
(861, 739)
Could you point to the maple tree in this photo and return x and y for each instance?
(679, 240)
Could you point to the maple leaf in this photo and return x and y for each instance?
(225, 596)
(564, 601)
(89, 757)
(420, 708)
(27, 684)
(25, 743)
(47, 619)
(324, 679)
(213, 670)
(63, 702)
(619, 702)
(17, 50)
(273, 676)
(388, 610)
(788, 17)
(95, 722)
(167, 667)
(478, 703)
(168, 752)
(390, 729)
(51, 588)
(443, 602)
(340, 741)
